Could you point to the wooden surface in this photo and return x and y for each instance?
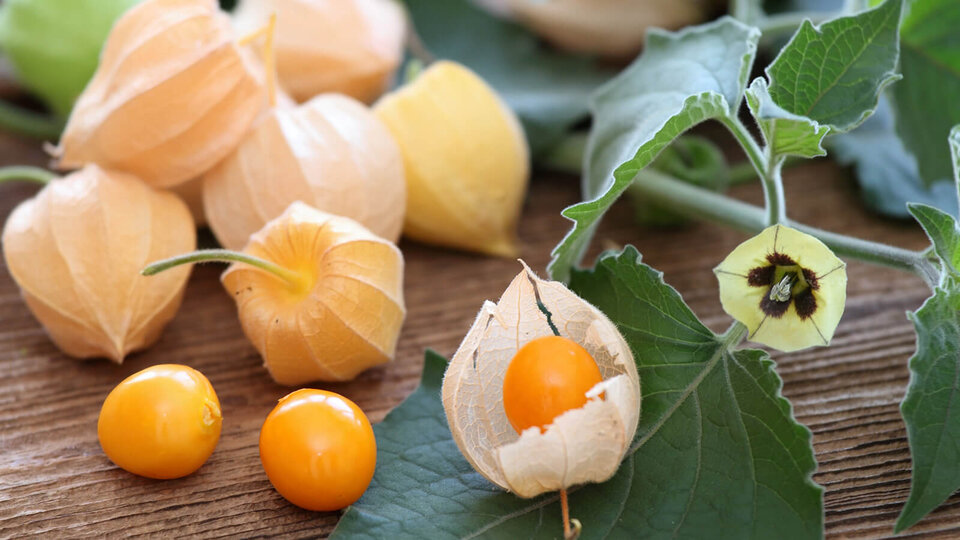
(55, 480)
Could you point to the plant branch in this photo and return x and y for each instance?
(29, 123)
(223, 255)
(26, 174)
(768, 168)
(697, 203)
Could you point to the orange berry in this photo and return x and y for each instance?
(547, 377)
(318, 450)
(162, 422)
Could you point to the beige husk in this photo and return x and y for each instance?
(352, 47)
(172, 96)
(330, 152)
(346, 314)
(76, 251)
(582, 445)
(613, 28)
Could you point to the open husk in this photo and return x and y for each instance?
(173, 95)
(76, 250)
(582, 445)
(344, 315)
(330, 152)
(466, 160)
(351, 47)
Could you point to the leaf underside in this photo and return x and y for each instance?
(717, 454)
(680, 80)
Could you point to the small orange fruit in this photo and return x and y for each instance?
(318, 450)
(162, 422)
(546, 378)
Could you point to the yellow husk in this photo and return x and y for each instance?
(612, 28)
(351, 47)
(466, 160)
(173, 95)
(582, 445)
(330, 152)
(342, 318)
(76, 251)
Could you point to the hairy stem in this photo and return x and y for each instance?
(26, 174)
(768, 168)
(28, 123)
(224, 255)
(697, 203)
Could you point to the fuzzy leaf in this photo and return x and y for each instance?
(933, 423)
(680, 80)
(834, 73)
(547, 89)
(717, 455)
(928, 98)
(786, 134)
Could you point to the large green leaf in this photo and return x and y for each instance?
(785, 133)
(929, 407)
(547, 89)
(928, 98)
(717, 454)
(834, 73)
(680, 80)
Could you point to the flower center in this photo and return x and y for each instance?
(786, 282)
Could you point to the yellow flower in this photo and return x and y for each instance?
(786, 287)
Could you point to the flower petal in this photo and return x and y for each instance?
(789, 333)
(808, 252)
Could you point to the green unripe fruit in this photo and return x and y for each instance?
(54, 45)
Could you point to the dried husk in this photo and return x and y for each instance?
(76, 251)
(582, 445)
(612, 28)
(346, 315)
(330, 152)
(173, 95)
(466, 160)
(191, 193)
(351, 47)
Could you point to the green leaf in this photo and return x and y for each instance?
(785, 133)
(887, 171)
(929, 407)
(834, 73)
(933, 423)
(943, 232)
(717, 454)
(547, 89)
(928, 98)
(680, 80)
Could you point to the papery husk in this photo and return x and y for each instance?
(76, 251)
(173, 95)
(351, 47)
(191, 193)
(330, 152)
(582, 445)
(466, 160)
(347, 315)
(611, 28)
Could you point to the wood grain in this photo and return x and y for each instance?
(55, 480)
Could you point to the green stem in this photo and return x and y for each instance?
(697, 203)
(28, 123)
(26, 174)
(223, 255)
(734, 335)
(766, 166)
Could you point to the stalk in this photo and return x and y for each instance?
(224, 255)
(31, 124)
(26, 174)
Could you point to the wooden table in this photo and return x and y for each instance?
(55, 480)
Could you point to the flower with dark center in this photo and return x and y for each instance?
(786, 287)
